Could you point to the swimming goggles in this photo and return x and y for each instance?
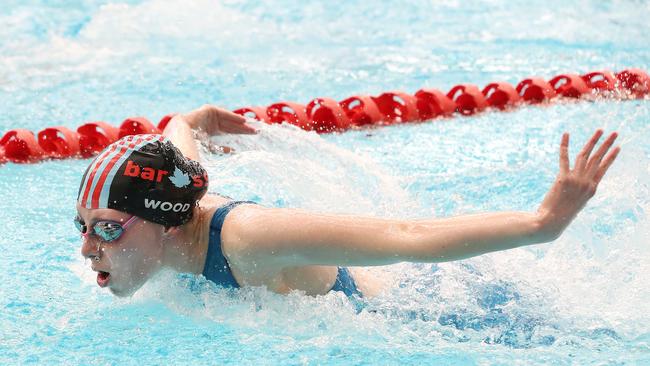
(107, 230)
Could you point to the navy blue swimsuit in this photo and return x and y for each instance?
(218, 271)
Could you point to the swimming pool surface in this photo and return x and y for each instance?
(582, 299)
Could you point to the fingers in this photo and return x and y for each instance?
(564, 153)
(229, 127)
(234, 123)
(583, 156)
(227, 115)
(246, 129)
(606, 163)
(594, 162)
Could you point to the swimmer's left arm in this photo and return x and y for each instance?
(283, 237)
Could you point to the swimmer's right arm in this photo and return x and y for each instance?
(208, 119)
(280, 238)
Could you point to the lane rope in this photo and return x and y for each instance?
(325, 115)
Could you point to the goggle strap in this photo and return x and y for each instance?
(129, 222)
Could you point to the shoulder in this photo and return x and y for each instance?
(253, 224)
(247, 231)
(242, 225)
(244, 239)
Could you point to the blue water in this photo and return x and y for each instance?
(582, 299)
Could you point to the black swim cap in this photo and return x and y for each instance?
(147, 176)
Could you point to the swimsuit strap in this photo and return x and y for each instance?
(345, 283)
(216, 267)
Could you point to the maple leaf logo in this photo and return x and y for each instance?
(179, 179)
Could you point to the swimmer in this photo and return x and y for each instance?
(142, 206)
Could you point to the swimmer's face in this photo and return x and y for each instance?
(125, 264)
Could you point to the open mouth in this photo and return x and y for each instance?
(103, 278)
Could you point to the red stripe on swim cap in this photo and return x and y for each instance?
(105, 190)
(91, 176)
(87, 180)
(94, 203)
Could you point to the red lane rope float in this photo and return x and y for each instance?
(59, 142)
(432, 103)
(600, 81)
(535, 90)
(290, 112)
(328, 115)
(361, 110)
(500, 95)
(20, 146)
(468, 99)
(397, 106)
(95, 136)
(137, 126)
(569, 85)
(636, 81)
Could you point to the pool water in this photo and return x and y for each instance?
(582, 299)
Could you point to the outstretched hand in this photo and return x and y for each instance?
(214, 120)
(573, 188)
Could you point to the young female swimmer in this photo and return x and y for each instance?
(142, 207)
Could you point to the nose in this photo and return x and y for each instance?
(89, 248)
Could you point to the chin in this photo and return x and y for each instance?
(126, 287)
(120, 292)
